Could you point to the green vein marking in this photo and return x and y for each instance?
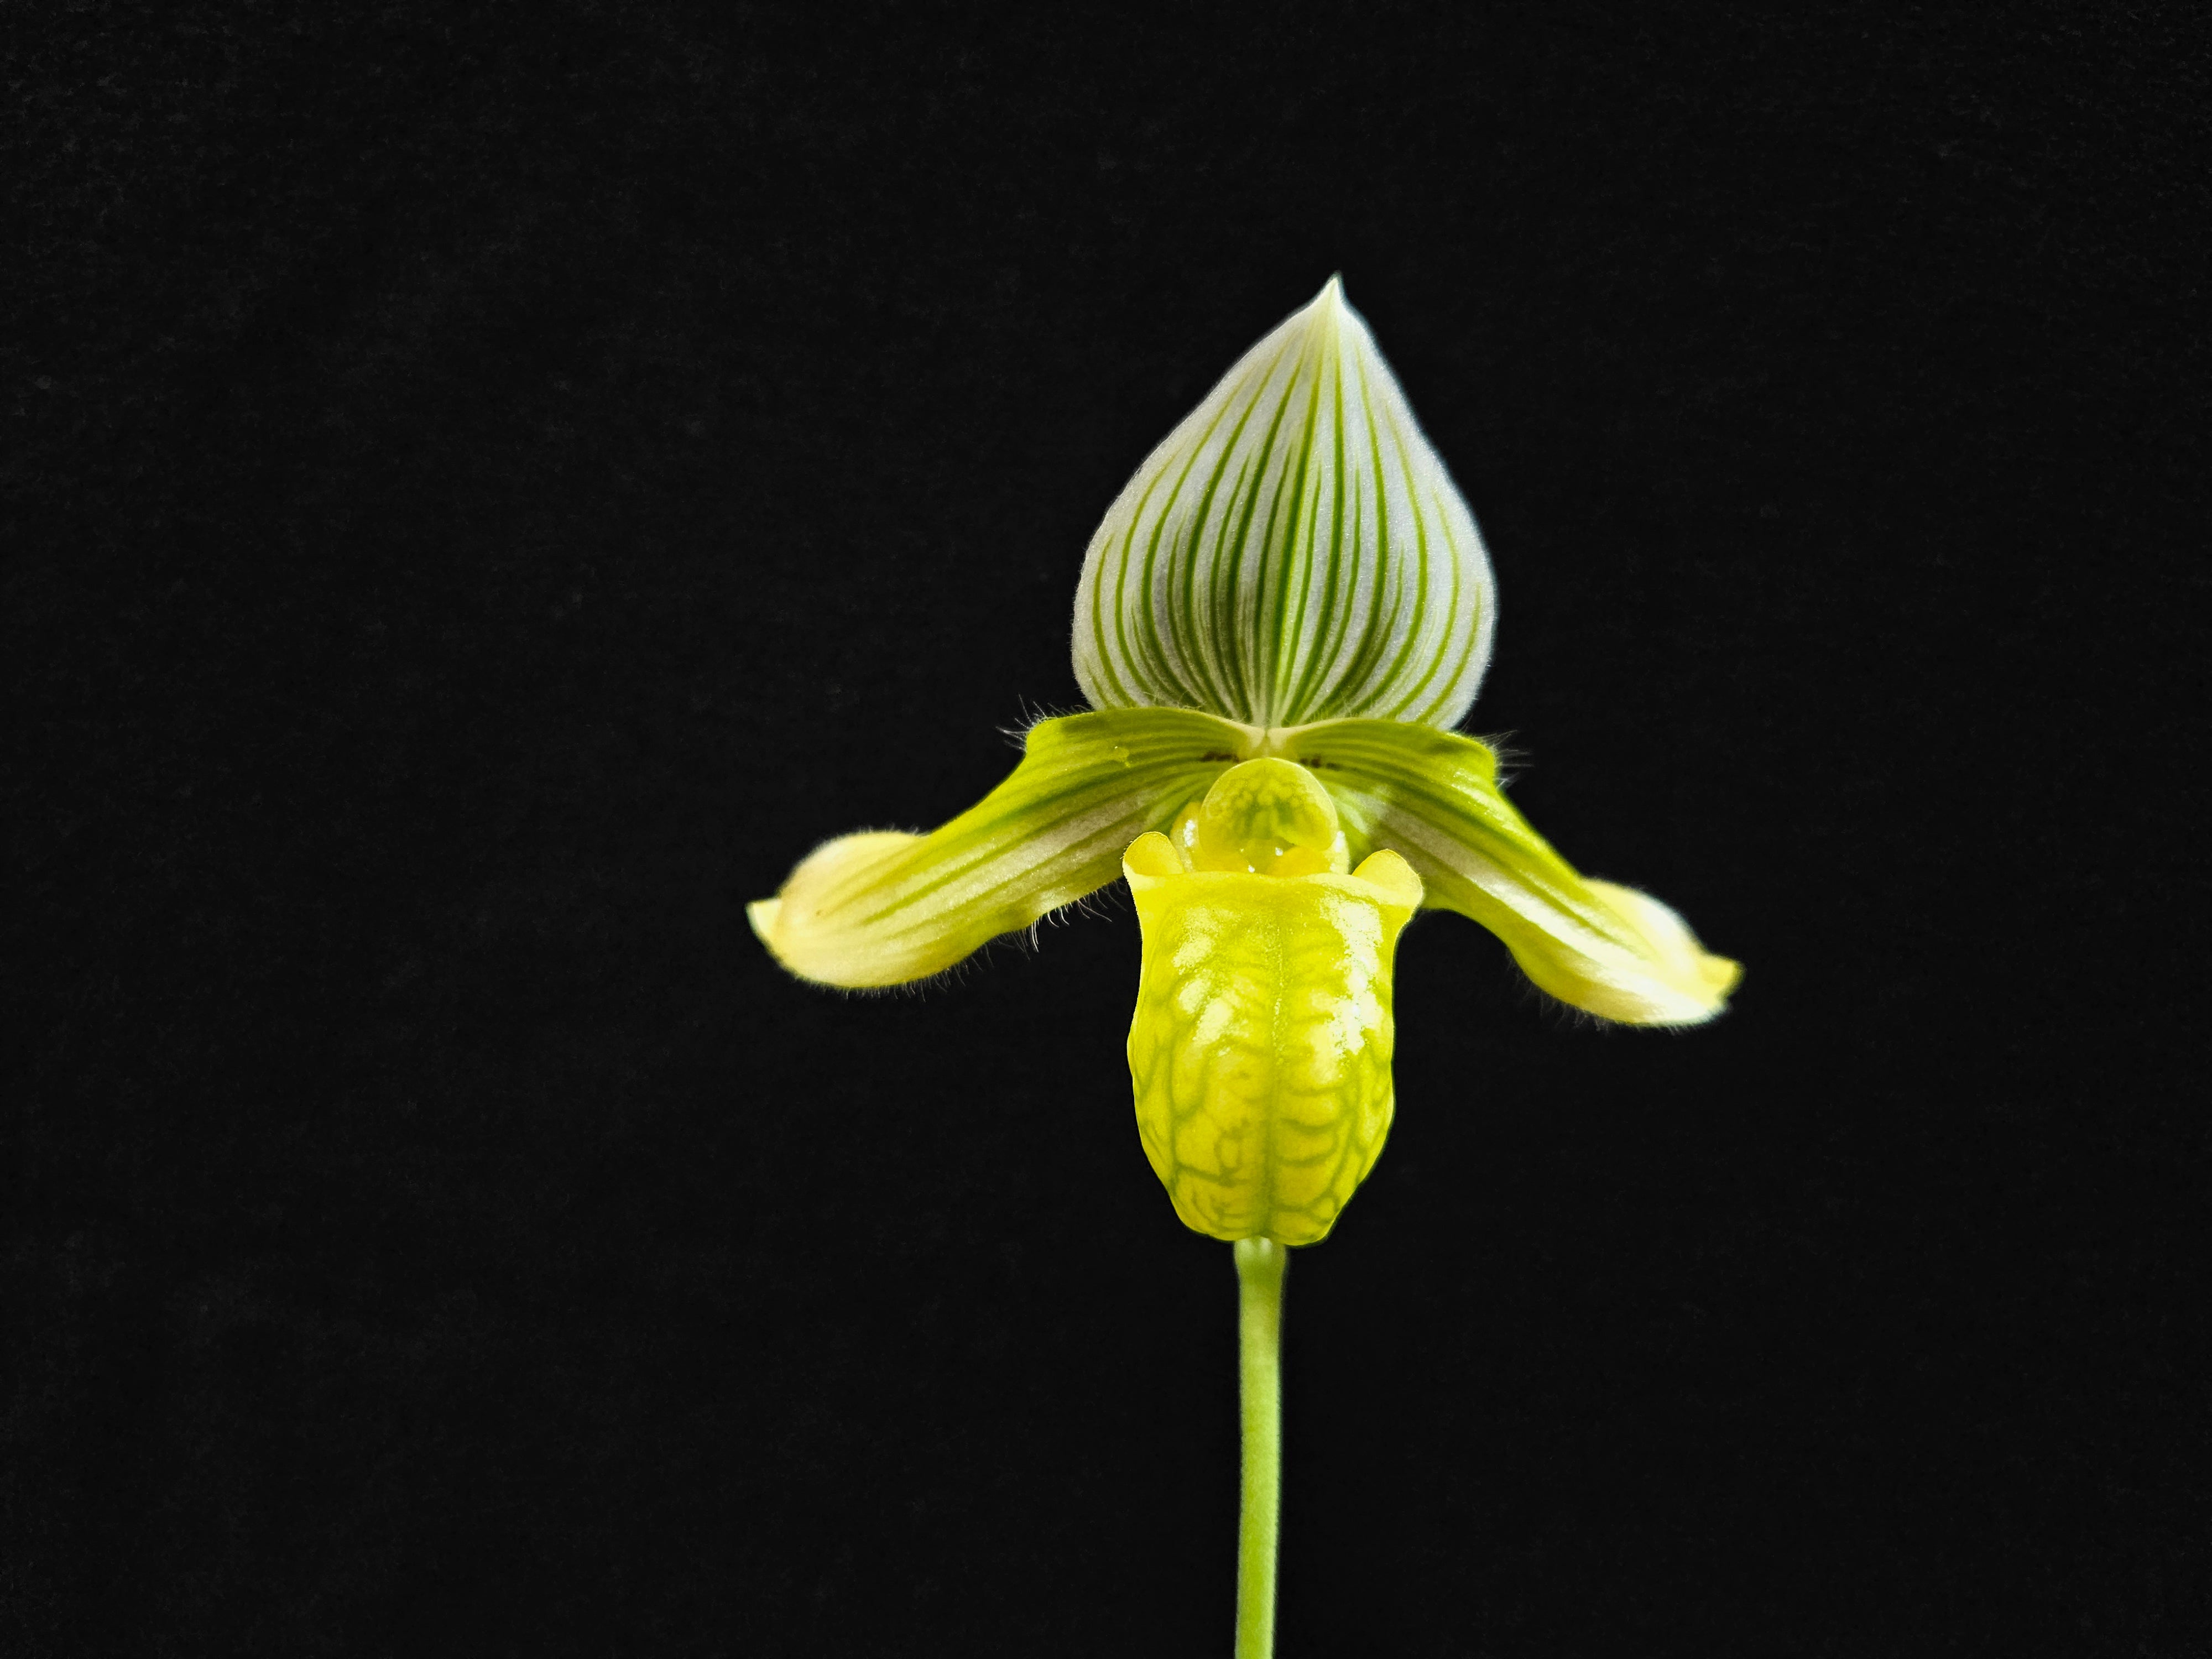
(1480, 821)
(1168, 675)
(1323, 670)
(1093, 781)
(1220, 604)
(1433, 508)
(1471, 637)
(1221, 592)
(1161, 679)
(1152, 800)
(1117, 665)
(1317, 647)
(1311, 642)
(1419, 636)
(1437, 639)
(1472, 631)
(1284, 631)
(1216, 695)
(1395, 649)
(1273, 569)
(1229, 612)
(1359, 678)
(1365, 558)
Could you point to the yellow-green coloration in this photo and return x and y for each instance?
(884, 907)
(1281, 623)
(1260, 1050)
(1266, 818)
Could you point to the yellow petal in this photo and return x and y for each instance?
(883, 907)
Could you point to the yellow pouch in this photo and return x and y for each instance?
(1261, 1048)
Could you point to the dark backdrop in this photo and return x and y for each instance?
(489, 486)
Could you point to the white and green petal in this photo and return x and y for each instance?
(1433, 797)
(1294, 552)
(883, 907)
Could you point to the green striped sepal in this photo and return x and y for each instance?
(1433, 797)
(883, 907)
(1294, 552)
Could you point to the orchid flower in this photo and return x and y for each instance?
(1278, 625)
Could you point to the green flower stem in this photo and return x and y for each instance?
(1260, 1264)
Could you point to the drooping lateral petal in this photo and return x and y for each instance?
(1295, 551)
(1433, 797)
(883, 907)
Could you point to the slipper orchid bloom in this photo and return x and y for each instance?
(1278, 624)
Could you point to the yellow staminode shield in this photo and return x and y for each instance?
(1261, 1048)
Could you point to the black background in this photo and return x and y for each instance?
(489, 487)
